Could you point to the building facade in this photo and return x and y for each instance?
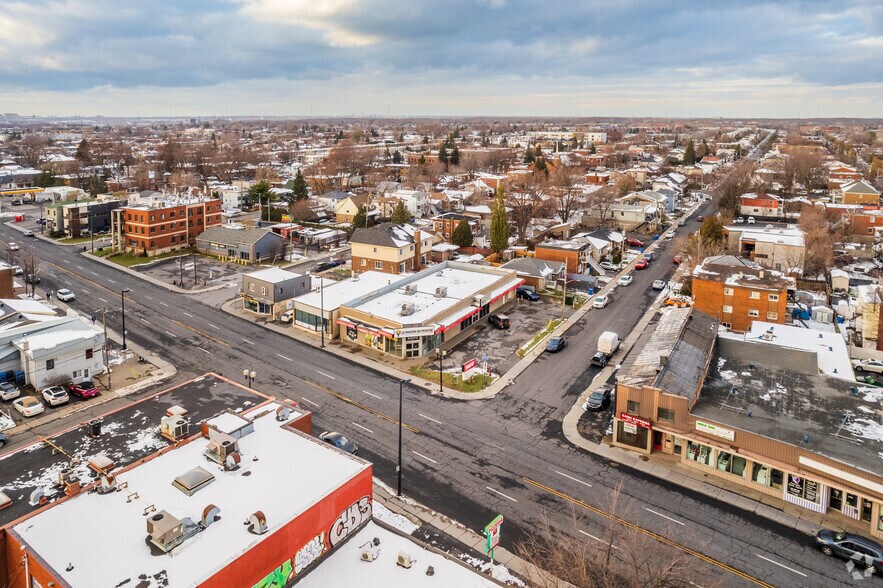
(390, 248)
(270, 291)
(164, 225)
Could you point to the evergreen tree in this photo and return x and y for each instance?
(396, 156)
(702, 151)
(443, 155)
(422, 161)
(528, 155)
(299, 186)
(689, 154)
(455, 155)
(462, 235)
(400, 214)
(592, 148)
(84, 152)
(540, 165)
(260, 193)
(45, 180)
(499, 224)
(361, 218)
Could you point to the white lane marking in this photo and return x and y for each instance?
(599, 539)
(66, 282)
(84, 290)
(145, 322)
(249, 342)
(81, 267)
(187, 313)
(148, 297)
(371, 394)
(500, 493)
(206, 350)
(283, 357)
(430, 419)
(424, 457)
(326, 375)
(572, 478)
(164, 304)
(310, 401)
(363, 428)
(213, 326)
(93, 273)
(103, 300)
(663, 516)
(780, 565)
(111, 281)
(172, 334)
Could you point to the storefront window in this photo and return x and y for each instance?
(767, 476)
(732, 464)
(803, 488)
(632, 435)
(699, 453)
(852, 500)
(867, 507)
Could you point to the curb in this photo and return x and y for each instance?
(151, 279)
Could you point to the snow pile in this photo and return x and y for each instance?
(393, 519)
(499, 572)
(6, 421)
(871, 394)
(865, 429)
(728, 375)
(721, 361)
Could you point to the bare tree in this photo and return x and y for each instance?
(522, 202)
(470, 163)
(626, 184)
(30, 149)
(567, 194)
(738, 182)
(819, 238)
(599, 203)
(808, 168)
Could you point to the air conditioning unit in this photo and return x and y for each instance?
(367, 555)
(404, 560)
(175, 427)
(441, 292)
(407, 309)
(411, 289)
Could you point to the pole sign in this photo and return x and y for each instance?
(492, 532)
(469, 365)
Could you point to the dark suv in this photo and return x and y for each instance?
(527, 294)
(867, 553)
(501, 321)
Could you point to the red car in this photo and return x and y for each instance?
(84, 390)
(641, 264)
(676, 259)
(634, 242)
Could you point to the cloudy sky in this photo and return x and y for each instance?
(442, 57)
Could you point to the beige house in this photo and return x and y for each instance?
(390, 248)
(347, 209)
(774, 248)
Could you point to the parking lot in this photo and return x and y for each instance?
(526, 319)
(192, 271)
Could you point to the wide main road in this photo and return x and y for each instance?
(469, 460)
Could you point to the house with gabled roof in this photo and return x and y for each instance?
(859, 192)
(390, 248)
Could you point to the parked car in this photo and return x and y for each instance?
(649, 256)
(28, 406)
(65, 295)
(641, 264)
(55, 395)
(3, 439)
(17, 270)
(634, 242)
(501, 321)
(670, 235)
(682, 221)
(600, 359)
(287, 316)
(84, 390)
(678, 301)
(327, 265)
(556, 344)
(28, 233)
(700, 218)
(751, 220)
(867, 553)
(13, 246)
(599, 399)
(609, 266)
(527, 294)
(339, 441)
(32, 279)
(600, 301)
(739, 220)
(868, 365)
(658, 284)
(625, 280)
(9, 391)
(677, 259)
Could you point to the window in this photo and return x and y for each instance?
(732, 464)
(364, 262)
(726, 309)
(263, 290)
(50, 364)
(162, 217)
(89, 354)
(412, 248)
(698, 452)
(152, 218)
(774, 297)
(728, 291)
(378, 265)
(726, 325)
(375, 250)
(803, 488)
(665, 414)
(251, 287)
(754, 295)
(753, 313)
(633, 407)
(772, 316)
(75, 374)
(402, 267)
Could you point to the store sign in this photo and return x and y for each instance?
(286, 218)
(492, 532)
(413, 332)
(469, 365)
(635, 420)
(716, 431)
(629, 428)
(352, 333)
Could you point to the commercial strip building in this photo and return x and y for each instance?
(239, 244)
(776, 410)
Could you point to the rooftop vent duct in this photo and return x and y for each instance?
(257, 523)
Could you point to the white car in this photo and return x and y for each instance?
(9, 391)
(659, 285)
(16, 269)
(608, 266)
(751, 220)
(601, 301)
(868, 365)
(287, 316)
(55, 395)
(670, 235)
(625, 280)
(28, 406)
(682, 221)
(13, 246)
(65, 295)
(28, 233)
(740, 220)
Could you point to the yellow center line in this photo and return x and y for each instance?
(364, 407)
(648, 533)
(198, 332)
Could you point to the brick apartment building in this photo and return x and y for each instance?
(738, 292)
(164, 225)
(573, 254)
(445, 224)
(390, 248)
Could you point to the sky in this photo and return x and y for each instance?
(665, 58)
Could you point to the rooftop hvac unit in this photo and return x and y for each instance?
(411, 289)
(404, 560)
(219, 449)
(407, 309)
(441, 292)
(166, 531)
(367, 554)
(175, 427)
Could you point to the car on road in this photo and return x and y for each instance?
(641, 264)
(28, 406)
(32, 279)
(868, 365)
(600, 301)
(65, 295)
(84, 390)
(339, 441)
(751, 220)
(287, 316)
(650, 256)
(658, 285)
(600, 359)
(527, 294)
(670, 235)
(599, 399)
(700, 218)
(682, 222)
(501, 321)
(634, 242)
(3, 439)
(13, 246)
(9, 391)
(327, 265)
(55, 395)
(609, 266)
(866, 553)
(739, 220)
(625, 280)
(28, 233)
(556, 344)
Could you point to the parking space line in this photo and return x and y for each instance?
(572, 478)
(430, 419)
(780, 565)
(659, 514)
(424, 457)
(363, 428)
(501, 494)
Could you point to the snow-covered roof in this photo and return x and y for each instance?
(273, 275)
(53, 339)
(337, 294)
(116, 552)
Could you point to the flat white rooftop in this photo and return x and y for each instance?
(273, 275)
(339, 293)
(116, 552)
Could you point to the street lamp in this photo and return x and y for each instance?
(249, 376)
(440, 355)
(123, 298)
(399, 466)
(322, 309)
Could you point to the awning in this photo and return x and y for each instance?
(457, 318)
(505, 289)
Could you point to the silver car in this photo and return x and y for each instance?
(868, 365)
(9, 391)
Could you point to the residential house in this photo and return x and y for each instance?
(539, 273)
(161, 224)
(347, 208)
(738, 292)
(241, 245)
(270, 291)
(482, 212)
(760, 205)
(417, 202)
(774, 248)
(672, 181)
(868, 323)
(859, 192)
(390, 248)
(445, 224)
(574, 254)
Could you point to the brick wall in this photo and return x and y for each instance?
(709, 297)
(571, 258)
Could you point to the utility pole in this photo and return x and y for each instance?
(322, 311)
(181, 271)
(106, 350)
(194, 272)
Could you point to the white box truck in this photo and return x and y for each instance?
(608, 344)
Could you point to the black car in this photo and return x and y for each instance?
(501, 321)
(867, 553)
(527, 294)
(599, 399)
(599, 359)
(327, 265)
(3, 439)
(556, 344)
(339, 441)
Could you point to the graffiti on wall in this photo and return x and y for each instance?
(278, 578)
(350, 520)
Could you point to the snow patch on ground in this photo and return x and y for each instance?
(871, 394)
(6, 422)
(393, 519)
(147, 439)
(728, 375)
(779, 389)
(721, 362)
(866, 429)
(499, 572)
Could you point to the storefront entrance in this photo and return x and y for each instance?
(657, 440)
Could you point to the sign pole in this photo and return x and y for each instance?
(492, 532)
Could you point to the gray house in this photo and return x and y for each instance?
(270, 291)
(241, 244)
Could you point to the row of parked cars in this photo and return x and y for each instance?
(29, 406)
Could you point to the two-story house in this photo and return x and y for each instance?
(390, 248)
(574, 254)
(270, 291)
(445, 224)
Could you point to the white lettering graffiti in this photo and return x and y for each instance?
(350, 520)
(309, 553)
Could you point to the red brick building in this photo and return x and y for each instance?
(163, 225)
